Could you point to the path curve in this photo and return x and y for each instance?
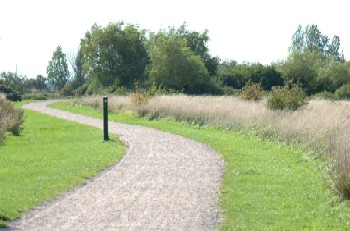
(164, 181)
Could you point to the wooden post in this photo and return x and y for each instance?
(105, 118)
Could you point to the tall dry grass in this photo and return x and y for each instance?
(323, 126)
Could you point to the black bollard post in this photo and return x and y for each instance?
(105, 118)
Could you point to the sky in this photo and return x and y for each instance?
(242, 30)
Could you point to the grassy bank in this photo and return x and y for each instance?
(50, 156)
(266, 186)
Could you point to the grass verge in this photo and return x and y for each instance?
(266, 186)
(50, 156)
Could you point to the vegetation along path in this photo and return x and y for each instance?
(163, 181)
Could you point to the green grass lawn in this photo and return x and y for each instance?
(49, 157)
(266, 186)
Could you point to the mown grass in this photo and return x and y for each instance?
(50, 156)
(266, 185)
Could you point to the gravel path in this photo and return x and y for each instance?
(164, 181)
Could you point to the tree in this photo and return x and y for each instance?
(198, 43)
(57, 70)
(312, 40)
(11, 83)
(40, 83)
(175, 66)
(303, 68)
(334, 74)
(114, 56)
(238, 75)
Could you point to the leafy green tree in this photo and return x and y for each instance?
(57, 70)
(333, 75)
(312, 40)
(11, 83)
(40, 83)
(303, 68)
(238, 75)
(174, 65)
(198, 43)
(114, 55)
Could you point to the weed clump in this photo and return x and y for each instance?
(11, 119)
(343, 92)
(290, 97)
(251, 91)
(142, 96)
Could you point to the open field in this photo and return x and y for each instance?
(266, 185)
(50, 156)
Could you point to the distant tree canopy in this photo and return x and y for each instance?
(311, 39)
(114, 55)
(57, 70)
(237, 75)
(198, 43)
(175, 65)
(11, 83)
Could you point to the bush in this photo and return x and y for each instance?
(13, 97)
(251, 91)
(231, 91)
(326, 95)
(11, 119)
(289, 97)
(343, 92)
(35, 96)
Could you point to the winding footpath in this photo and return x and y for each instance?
(164, 182)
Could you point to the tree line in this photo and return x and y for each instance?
(114, 58)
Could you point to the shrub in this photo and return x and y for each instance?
(289, 97)
(10, 119)
(13, 97)
(35, 96)
(251, 91)
(326, 95)
(343, 92)
(231, 91)
(142, 96)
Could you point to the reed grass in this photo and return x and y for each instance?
(321, 126)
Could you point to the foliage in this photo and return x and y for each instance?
(237, 75)
(11, 119)
(312, 40)
(11, 83)
(175, 66)
(68, 89)
(333, 75)
(303, 68)
(78, 79)
(142, 96)
(289, 97)
(39, 165)
(197, 42)
(231, 91)
(35, 96)
(57, 70)
(343, 92)
(114, 55)
(251, 91)
(325, 95)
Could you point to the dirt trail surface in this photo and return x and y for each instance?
(164, 182)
